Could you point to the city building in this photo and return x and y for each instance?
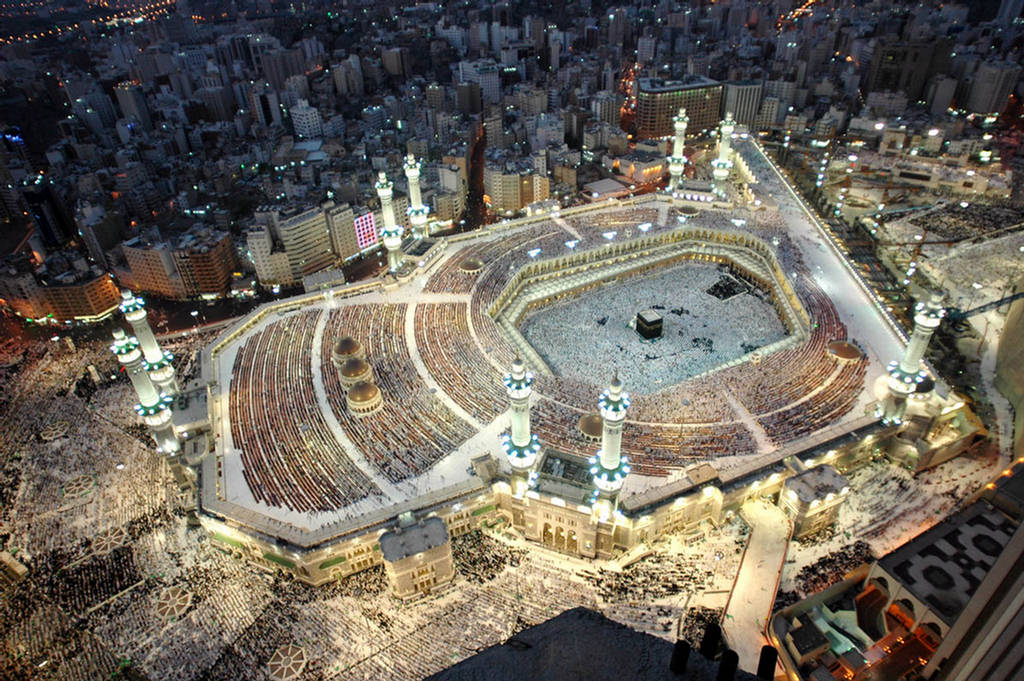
(195, 263)
(991, 87)
(132, 102)
(659, 100)
(510, 186)
(743, 100)
(306, 120)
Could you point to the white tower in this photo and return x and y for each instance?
(158, 362)
(391, 232)
(153, 407)
(905, 374)
(723, 164)
(609, 468)
(677, 161)
(521, 446)
(417, 211)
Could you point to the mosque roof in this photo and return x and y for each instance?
(363, 391)
(354, 367)
(471, 265)
(591, 425)
(347, 345)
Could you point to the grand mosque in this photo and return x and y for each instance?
(588, 379)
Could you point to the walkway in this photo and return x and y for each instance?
(567, 227)
(753, 593)
(764, 443)
(421, 369)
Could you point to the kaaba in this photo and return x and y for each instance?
(648, 324)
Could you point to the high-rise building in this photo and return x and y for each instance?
(341, 223)
(512, 186)
(906, 66)
(436, 98)
(396, 62)
(467, 97)
(86, 295)
(939, 94)
(659, 100)
(768, 113)
(646, 46)
(265, 105)
(99, 229)
(268, 258)
(47, 209)
(991, 87)
(607, 107)
(132, 101)
(306, 120)
(204, 259)
(743, 100)
(484, 73)
(195, 263)
(1009, 11)
(279, 64)
(303, 234)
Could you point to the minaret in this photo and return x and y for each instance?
(521, 446)
(157, 362)
(417, 211)
(723, 164)
(391, 231)
(609, 468)
(905, 374)
(153, 407)
(677, 161)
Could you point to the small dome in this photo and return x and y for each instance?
(590, 425)
(471, 265)
(362, 392)
(347, 345)
(688, 210)
(354, 367)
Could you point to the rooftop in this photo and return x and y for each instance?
(403, 542)
(943, 566)
(658, 85)
(816, 483)
(807, 637)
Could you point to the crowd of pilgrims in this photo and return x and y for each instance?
(277, 424)
(664, 574)
(956, 222)
(832, 567)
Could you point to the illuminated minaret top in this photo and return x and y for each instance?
(520, 445)
(391, 232)
(723, 164)
(906, 374)
(677, 161)
(158, 362)
(609, 468)
(417, 211)
(154, 407)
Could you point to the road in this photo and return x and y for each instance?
(753, 593)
